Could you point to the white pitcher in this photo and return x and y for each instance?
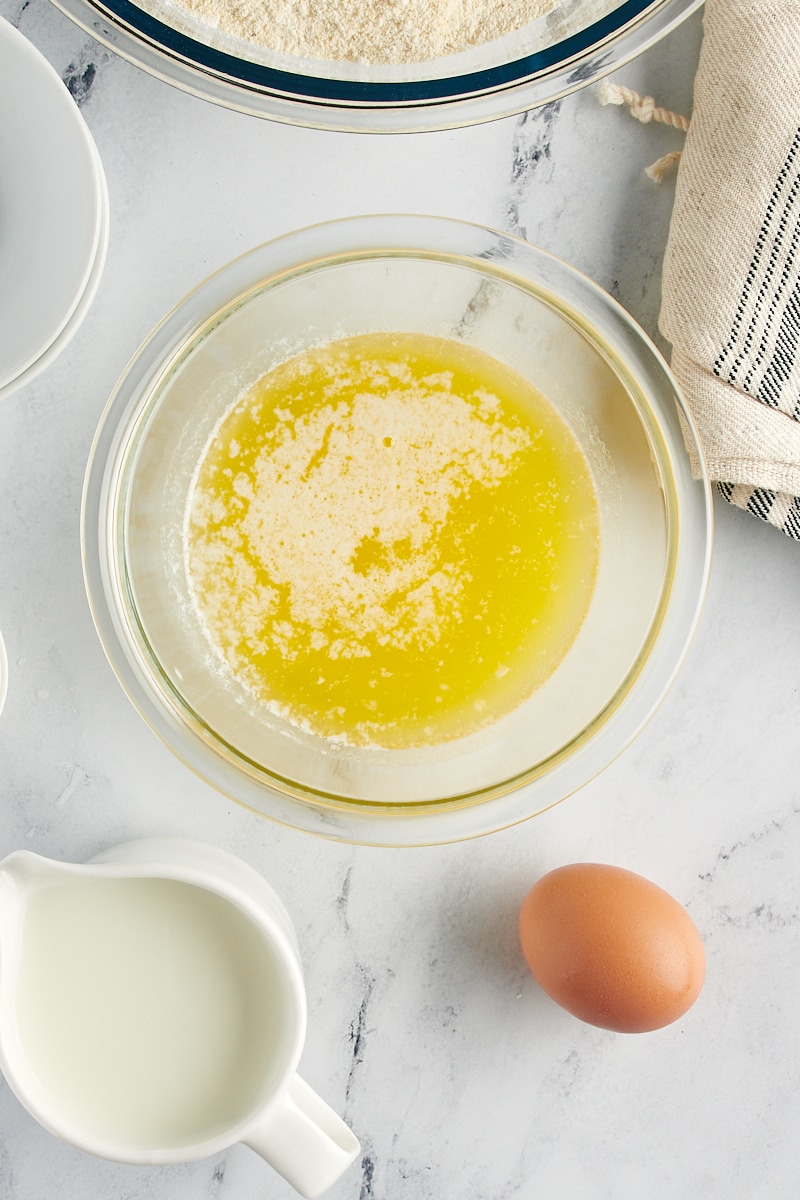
(152, 1010)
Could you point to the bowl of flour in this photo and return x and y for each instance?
(379, 66)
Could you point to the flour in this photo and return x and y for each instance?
(367, 31)
(339, 511)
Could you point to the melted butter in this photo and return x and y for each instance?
(392, 539)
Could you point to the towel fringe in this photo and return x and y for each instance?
(645, 109)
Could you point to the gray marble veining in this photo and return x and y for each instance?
(463, 1081)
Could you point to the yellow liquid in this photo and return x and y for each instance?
(392, 539)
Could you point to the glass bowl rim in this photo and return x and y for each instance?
(365, 106)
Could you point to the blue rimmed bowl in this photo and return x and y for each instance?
(575, 44)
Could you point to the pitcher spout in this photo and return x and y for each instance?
(21, 872)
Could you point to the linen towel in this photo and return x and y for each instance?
(731, 284)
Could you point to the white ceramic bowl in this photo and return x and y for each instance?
(54, 207)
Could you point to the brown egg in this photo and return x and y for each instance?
(611, 947)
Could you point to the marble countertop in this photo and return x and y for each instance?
(462, 1080)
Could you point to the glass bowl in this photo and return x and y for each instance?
(572, 46)
(448, 279)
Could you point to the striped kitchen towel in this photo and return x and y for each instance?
(731, 288)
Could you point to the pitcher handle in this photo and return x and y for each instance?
(304, 1140)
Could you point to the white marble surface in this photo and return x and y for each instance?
(463, 1081)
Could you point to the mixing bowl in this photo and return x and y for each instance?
(576, 43)
(437, 277)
